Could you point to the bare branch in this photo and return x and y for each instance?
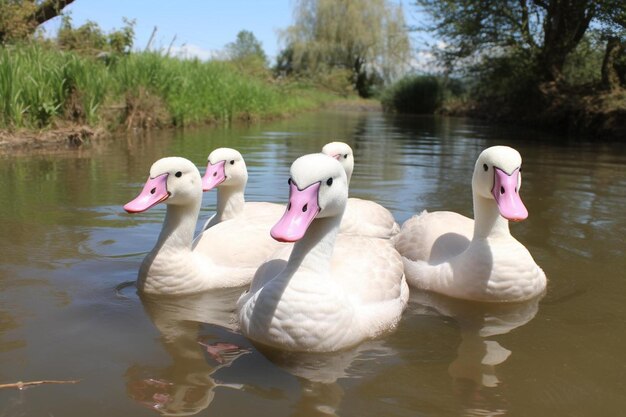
(21, 385)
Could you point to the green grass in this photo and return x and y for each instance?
(40, 87)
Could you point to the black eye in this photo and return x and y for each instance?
(289, 181)
(345, 156)
(232, 162)
(178, 174)
(329, 182)
(520, 169)
(485, 167)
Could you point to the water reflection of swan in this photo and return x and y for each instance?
(319, 373)
(186, 386)
(474, 369)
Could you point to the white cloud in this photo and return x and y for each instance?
(425, 62)
(189, 51)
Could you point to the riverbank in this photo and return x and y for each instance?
(76, 136)
(53, 99)
(585, 114)
(70, 137)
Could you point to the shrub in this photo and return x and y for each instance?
(413, 94)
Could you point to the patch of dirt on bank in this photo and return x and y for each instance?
(54, 139)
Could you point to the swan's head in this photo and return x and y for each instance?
(317, 188)
(497, 177)
(342, 152)
(226, 168)
(172, 180)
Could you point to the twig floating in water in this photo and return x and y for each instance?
(21, 385)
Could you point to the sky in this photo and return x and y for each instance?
(200, 27)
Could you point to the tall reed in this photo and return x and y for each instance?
(41, 86)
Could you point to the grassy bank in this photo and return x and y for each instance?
(43, 88)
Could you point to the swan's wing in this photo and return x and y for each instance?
(367, 218)
(268, 213)
(434, 237)
(370, 269)
(237, 242)
(371, 272)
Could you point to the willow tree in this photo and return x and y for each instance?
(368, 38)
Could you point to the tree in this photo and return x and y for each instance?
(546, 31)
(246, 47)
(89, 38)
(368, 38)
(20, 18)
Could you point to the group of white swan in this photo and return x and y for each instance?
(330, 272)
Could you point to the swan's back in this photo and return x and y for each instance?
(434, 237)
(262, 212)
(367, 218)
(369, 269)
(238, 241)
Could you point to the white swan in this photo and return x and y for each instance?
(227, 255)
(313, 304)
(226, 170)
(362, 217)
(477, 260)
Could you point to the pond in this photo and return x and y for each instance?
(67, 248)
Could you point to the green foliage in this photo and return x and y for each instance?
(583, 65)
(15, 22)
(246, 47)
(89, 39)
(549, 31)
(20, 18)
(520, 55)
(506, 84)
(39, 86)
(366, 37)
(417, 94)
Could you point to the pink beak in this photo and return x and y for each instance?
(154, 192)
(215, 175)
(507, 195)
(301, 210)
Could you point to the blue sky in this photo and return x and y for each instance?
(200, 26)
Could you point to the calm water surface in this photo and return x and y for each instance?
(66, 244)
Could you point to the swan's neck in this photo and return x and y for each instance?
(178, 228)
(230, 202)
(487, 219)
(313, 252)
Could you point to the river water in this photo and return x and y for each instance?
(66, 246)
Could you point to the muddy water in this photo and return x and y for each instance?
(66, 244)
